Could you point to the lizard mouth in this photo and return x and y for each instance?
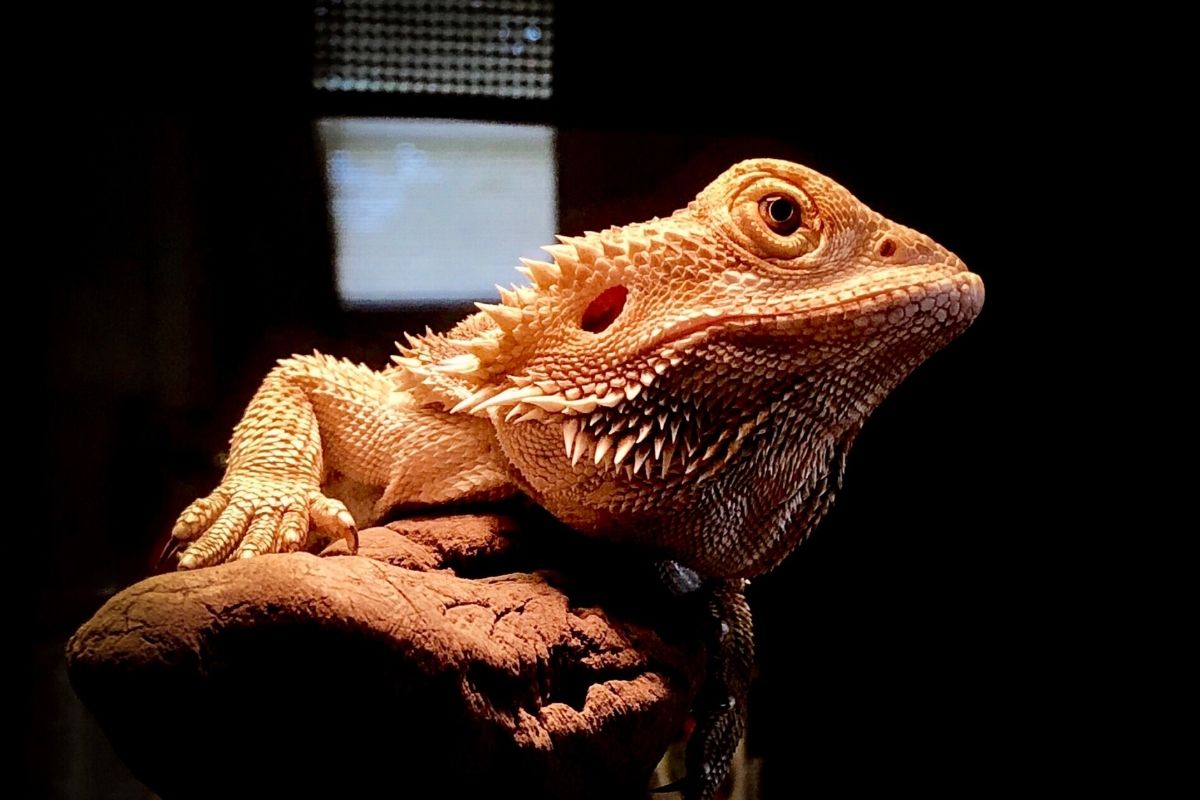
(950, 301)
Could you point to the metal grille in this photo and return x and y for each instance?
(489, 48)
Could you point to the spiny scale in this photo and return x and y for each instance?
(484, 359)
(624, 438)
(543, 273)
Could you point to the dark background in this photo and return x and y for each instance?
(191, 248)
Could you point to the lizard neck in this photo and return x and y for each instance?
(744, 448)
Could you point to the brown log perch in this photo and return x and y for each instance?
(436, 660)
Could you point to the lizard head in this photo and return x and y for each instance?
(694, 382)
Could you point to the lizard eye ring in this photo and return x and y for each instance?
(775, 219)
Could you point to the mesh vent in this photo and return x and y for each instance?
(489, 48)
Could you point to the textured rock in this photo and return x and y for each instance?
(390, 671)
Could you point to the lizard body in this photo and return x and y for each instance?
(691, 384)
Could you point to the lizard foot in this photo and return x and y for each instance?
(240, 521)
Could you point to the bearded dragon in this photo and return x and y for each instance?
(690, 384)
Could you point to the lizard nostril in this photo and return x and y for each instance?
(886, 248)
(604, 310)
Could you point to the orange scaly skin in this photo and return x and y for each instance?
(703, 410)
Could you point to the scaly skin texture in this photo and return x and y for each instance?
(690, 385)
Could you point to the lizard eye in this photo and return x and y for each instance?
(781, 214)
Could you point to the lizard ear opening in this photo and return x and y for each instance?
(604, 310)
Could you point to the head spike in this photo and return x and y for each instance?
(623, 448)
(602, 448)
(562, 251)
(505, 316)
(587, 251)
(570, 428)
(644, 432)
(475, 399)
(581, 443)
(612, 399)
(485, 349)
(530, 414)
(551, 403)
(611, 248)
(510, 395)
(461, 364)
(584, 405)
(668, 452)
(640, 457)
(636, 244)
(407, 361)
(565, 258)
(542, 273)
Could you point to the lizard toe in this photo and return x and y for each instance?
(217, 544)
(263, 535)
(293, 529)
(333, 518)
(199, 516)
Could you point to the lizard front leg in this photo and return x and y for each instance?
(314, 416)
(720, 707)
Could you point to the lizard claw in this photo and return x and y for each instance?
(680, 785)
(690, 788)
(254, 518)
(169, 553)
